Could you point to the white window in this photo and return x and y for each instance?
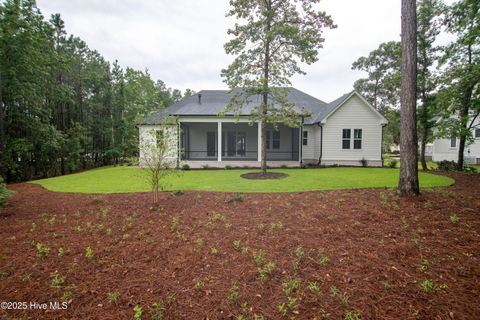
(346, 134)
(305, 138)
(357, 139)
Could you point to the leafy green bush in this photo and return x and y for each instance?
(185, 167)
(132, 161)
(3, 192)
(446, 165)
(393, 163)
(469, 169)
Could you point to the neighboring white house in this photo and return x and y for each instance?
(447, 149)
(343, 132)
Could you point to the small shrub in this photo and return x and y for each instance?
(454, 218)
(132, 161)
(178, 193)
(469, 169)
(42, 250)
(427, 285)
(174, 224)
(57, 280)
(275, 226)
(200, 284)
(3, 192)
(228, 167)
(334, 291)
(185, 167)
(89, 253)
(214, 251)
(264, 268)
(324, 260)
(112, 297)
(137, 312)
(205, 166)
(236, 198)
(282, 308)
(299, 255)
(393, 163)
(313, 286)
(446, 165)
(364, 162)
(237, 245)
(352, 315)
(232, 293)
(290, 286)
(158, 311)
(261, 228)
(199, 243)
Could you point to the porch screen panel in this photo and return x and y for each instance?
(211, 138)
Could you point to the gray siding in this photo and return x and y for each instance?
(353, 114)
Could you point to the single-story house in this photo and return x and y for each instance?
(447, 148)
(346, 131)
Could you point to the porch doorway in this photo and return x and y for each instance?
(236, 144)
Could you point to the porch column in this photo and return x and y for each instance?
(219, 142)
(259, 147)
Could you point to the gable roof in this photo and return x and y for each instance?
(336, 104)
(214, 102)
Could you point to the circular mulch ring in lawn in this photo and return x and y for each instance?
(266, 176)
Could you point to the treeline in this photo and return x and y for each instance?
(448, 76)
(63, 106)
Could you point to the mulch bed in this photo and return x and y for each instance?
(264, 176)
(380, 250)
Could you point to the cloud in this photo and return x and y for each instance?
(181, 42)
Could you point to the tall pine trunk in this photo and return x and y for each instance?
(467, 101)
(408, 183)
(2, 135)
(266, 86)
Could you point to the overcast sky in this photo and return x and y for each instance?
(181, 41)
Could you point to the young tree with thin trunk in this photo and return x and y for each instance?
(428, 29)
(460, 91)
(158, 160)
(273, 36)
(408, 183)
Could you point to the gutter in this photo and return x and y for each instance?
(381, 144)
(300, 142)
(321, 145)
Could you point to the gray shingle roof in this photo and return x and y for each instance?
(214, 101)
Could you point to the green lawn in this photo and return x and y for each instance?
(130, 179)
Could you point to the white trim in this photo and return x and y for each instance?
(219, 147)
(382, 118)
(214, 119)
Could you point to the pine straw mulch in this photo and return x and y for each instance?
(360, 251)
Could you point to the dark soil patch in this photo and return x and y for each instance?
(185, 253)
(264, 176)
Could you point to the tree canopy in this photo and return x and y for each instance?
(270, 40)
(63, 106)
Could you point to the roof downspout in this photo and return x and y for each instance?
(321, 145)
(178, 144)
(300, 142)
(381, 145)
